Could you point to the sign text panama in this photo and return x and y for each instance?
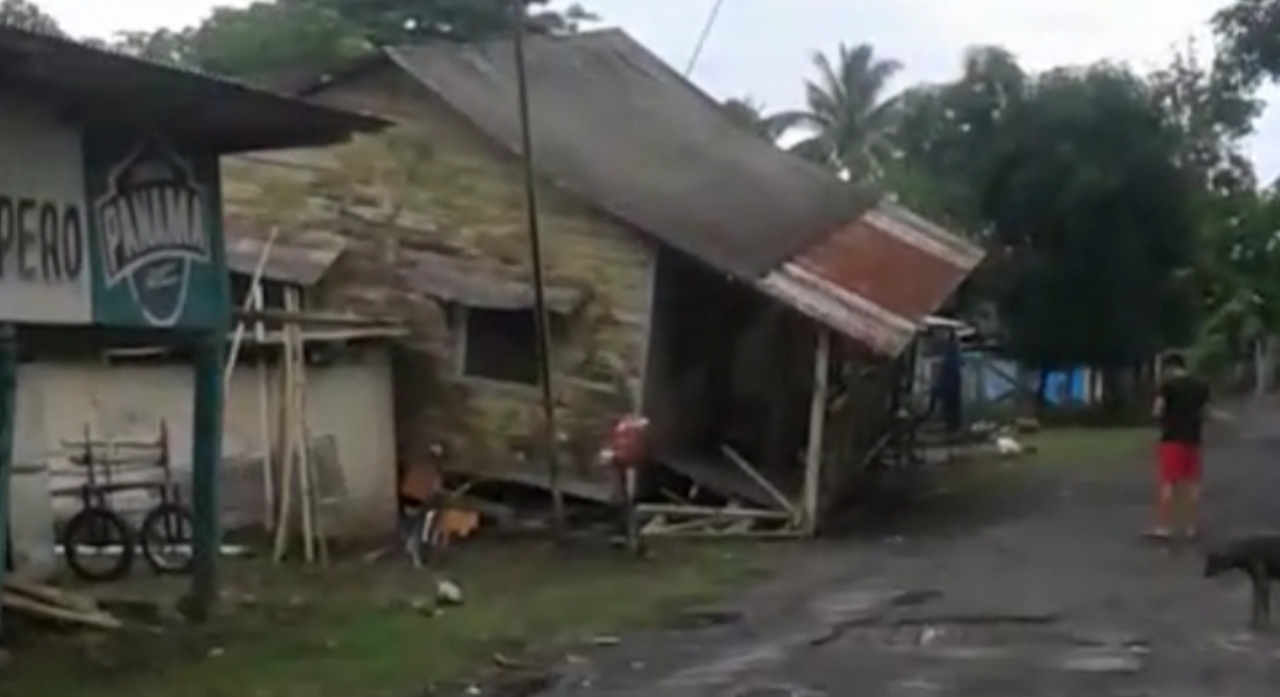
(152, 229)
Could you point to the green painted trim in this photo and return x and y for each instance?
(8, 389)
(133, 183)
(206, 457)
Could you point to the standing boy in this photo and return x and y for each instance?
(1180, 407)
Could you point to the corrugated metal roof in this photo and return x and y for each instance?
(615, 125)
(110, 89)
(455, 280)
(301, 260)
(878, 279)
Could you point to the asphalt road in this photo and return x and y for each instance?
(1055, 597)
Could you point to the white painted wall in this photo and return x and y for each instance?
(44, 252)
(350, 400)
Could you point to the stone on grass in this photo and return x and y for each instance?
(448, 593)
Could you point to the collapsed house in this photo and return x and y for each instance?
(751, 304)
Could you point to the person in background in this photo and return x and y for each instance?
(1181, 406)
(420, 494)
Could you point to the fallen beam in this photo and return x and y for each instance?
(722, 534)
(760, 479)
(708, 512)
(95, 620)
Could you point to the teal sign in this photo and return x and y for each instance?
(155, 235)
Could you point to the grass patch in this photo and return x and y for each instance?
(1087, 447)
(367, 629)
(986, 486)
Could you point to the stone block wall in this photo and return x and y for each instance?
(434, 184)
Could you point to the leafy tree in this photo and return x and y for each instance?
(1210, 111)
(161, 45)
(751, 116)
(1087, 197)
(27, 15)
(281, 36)
(270, 37)
(848, 119)
(1248, 32)
(405, 21)
(944, 138)
(1237, 276)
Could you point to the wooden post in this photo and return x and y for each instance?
(817, 420)
(206, 460)
(8, 388)
(542, 321)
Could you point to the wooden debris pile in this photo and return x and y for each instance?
(56, 605)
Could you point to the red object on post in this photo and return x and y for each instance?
(628, 442)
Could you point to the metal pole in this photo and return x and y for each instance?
(206, 456)
(8, 398)
(542, 325)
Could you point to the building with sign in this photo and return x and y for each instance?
(111, 218)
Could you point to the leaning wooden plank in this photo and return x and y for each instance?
(758, 478)
(96, 620)
(708, 512)
(53, 596)
(656, 524)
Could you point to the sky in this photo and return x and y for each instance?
(763, 48)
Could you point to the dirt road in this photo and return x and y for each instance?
(1058, 596)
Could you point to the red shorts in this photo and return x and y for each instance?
(1179, 462)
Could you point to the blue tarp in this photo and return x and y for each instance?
(1062, 387)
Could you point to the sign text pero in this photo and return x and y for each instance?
(40, 241)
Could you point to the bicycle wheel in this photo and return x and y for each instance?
(168, 539)
(99, 545)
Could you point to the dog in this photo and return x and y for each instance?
(1259, 557)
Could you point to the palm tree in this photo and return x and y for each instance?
(749, 114)
(848, 120)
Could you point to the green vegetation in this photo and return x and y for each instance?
(369, 629)
(1089, 447)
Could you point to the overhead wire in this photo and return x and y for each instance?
(702, 39)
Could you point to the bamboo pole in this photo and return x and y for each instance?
(255, 285)
(298, 429)
(264, 425)
(317, 505)
(287, 458)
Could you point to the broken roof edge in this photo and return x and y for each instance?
(897, 218)
(842, 308)
(333, 125)
(300, 259)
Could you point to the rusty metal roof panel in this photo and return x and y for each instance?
(877, 279)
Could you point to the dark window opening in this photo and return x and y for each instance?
(501, 345)
(272, 292)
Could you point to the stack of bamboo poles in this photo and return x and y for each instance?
(297, 467)
(255, 301)
(290, 445)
